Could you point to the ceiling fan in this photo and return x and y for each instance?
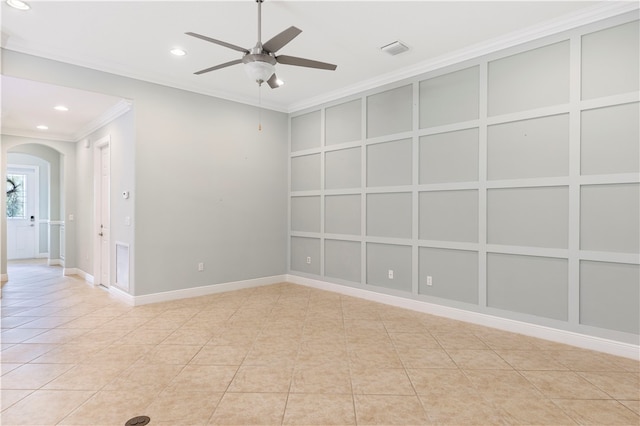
(260, 61)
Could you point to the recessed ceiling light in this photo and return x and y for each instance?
(61, 108)
(18, 4)
(279, 82)
(42, 127)
(178, 52)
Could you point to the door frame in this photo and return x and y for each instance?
(103, 142)
(36, 201)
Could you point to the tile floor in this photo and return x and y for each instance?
(284, 354)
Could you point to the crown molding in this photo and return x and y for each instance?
(599, 12)
(114, 112)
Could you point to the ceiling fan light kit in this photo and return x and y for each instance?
(259, 62)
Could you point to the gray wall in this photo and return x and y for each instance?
(206, 185)
(511, 180)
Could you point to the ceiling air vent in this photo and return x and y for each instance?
(395, 48)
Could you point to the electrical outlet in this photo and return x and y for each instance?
(390, 274)
(429, 280)
(200, 267)
(308, 260)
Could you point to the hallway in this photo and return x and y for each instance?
(283, 354)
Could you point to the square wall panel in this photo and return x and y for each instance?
(450, 98)
(303, 249)
(305, 131)
(532, 79)
(342, 214)
(449, 216)
(390, 112)
(305, 173)
(389, 215)
(305, 214)
(342, 169)
(449, 157)
(529, 148)
(454, 274)
(390, 163)
(610, 61)
(610, 296)
(609, 140)
(342, 260)
(610, 218)
(529, 285)
(343, 123)
(383, 258)
(536, 217)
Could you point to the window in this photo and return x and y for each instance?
(16, 196)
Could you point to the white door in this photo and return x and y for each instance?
(104, 216)
(22, 212)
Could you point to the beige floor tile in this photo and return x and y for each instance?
(171, 354)
(6, 367)
(259, 378)
(33, 376)
(381, 381)
(563, 385)
(58, 335)
(86, 376)
(373, 356)
(502, 384)
(531, 360)
(617, 385)
(250, 409)
(389, 410)
(110, 408)
(44, 407)
(11, 322)
(414, 340)
(11, 396)
(599, 412)
(141, 374)
(69, 354)
(585, 360)
(25, 352)
(205, 378)
(220, 355)
(271, 356)
(473, 359)
(182, 408)
(470, 410)
(459, 341)
(448, 383)
(189, 336)
(632, 405)
(533, 411)
(19, 335)
(426, 358)
(144, 337)
(321, 379)
(319, 409)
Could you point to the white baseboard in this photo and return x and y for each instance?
(201, 291)
(122, 295)
(42, 256)
(584, 341)
(70, 271)
(55, 262)
(82, 274)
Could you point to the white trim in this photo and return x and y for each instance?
(122, 296)
(70, 271)
(599, 344)
(55, 262)
(114, 112)
(590, 15)
(42, 255)
(82, 274)
(166, 296)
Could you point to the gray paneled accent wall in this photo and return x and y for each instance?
(507, 185)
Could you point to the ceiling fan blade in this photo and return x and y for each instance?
(301, 62)
(273, 82)
(217, 67)
(221, 43)
(279, 41)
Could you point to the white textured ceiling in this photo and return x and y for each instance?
(134, 38)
